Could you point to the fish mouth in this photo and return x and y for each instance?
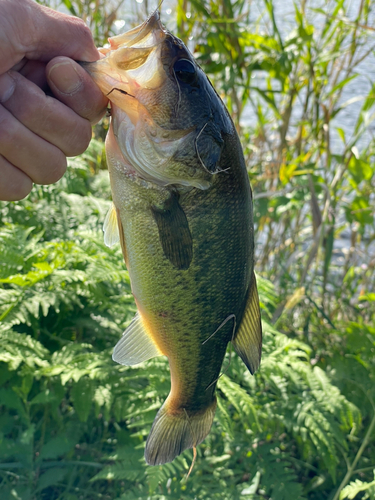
(137, 74)
(132, 62)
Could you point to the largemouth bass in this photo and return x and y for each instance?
(182, 210)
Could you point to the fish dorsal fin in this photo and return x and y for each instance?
(247, 341)
(135, 345)
(110, 227)
(174, 232)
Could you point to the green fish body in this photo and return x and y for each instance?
(183, 208)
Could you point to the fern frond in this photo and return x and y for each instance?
(355, 487)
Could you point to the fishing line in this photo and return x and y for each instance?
(158, 7)
(194, 445)
(218, 170)
(231, 316)
(196, 147)
(179, 94)
(147, 21)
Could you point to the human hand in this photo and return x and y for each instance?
(38, 47)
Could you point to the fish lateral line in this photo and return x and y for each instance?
(122, 92)
(212, 147)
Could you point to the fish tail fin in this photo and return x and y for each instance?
(175, 431)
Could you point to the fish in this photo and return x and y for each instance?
(182, 212)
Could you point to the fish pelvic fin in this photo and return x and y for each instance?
(175, 431)
(114, 232)
(135, 345)
(247, 341)
(110, 228)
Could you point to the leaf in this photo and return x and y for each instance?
(82, 394)
(341, 133)
(240, 399)
(354, 487)
(360, 210)
(44, 397)
(224, 417)
(295, 298)
(252, 489)
(51, 477)
(10, 399)
(103, 396)
(56, 447)
(343, 83)
(12, 492)
(360, 170)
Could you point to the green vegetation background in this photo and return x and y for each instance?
(72, 423)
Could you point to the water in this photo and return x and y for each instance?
(354, 92)
(351, 102)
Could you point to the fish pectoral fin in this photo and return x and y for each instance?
(247, 341)
(110, 227)
(135, 345)
(174, 232)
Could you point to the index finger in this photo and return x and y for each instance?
(30, 30)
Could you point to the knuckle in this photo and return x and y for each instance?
(14, 184)
(53, 171)
(83, 29)
(19, 190)
(98, 116)
(79, 139)
(49, 171)
(7, 129)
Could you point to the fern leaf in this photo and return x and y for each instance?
(352, 489)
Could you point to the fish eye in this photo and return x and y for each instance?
(184, 70)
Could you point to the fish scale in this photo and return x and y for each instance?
(183, 212)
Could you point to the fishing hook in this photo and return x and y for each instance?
(120, 90)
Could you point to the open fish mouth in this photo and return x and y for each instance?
(182, 212)
(132, 62)
(153, 83)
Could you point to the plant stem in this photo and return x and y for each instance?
(351, 469)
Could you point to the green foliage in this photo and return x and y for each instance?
(72, 423)
(72, 418)
(351, 491)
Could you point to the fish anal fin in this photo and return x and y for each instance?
(110, 227)
(247, 341)
(175, 431)
(174, 232)
(135, 345)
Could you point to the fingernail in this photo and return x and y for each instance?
(65, 78)
(7, 86)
